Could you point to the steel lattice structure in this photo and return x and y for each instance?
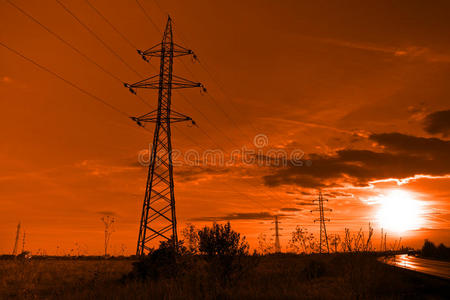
(277, 236)
(323, 229)
(158, 219)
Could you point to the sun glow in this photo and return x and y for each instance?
(399, 211)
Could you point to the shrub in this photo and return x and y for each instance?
(314, 269)
(221, 240)
(160, 263)
(225, 252)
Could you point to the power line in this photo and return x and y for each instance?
(65, 80)
(110, 24)
(63, 40)
(46, 28)
(73, 47)
(98, 38)
(148, 16)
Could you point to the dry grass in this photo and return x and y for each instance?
(271, 277)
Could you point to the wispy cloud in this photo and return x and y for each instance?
(238, 216)
(424, 53)
(6, 79)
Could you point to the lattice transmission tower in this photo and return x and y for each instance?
(323, 243)
(158, 219)
(277, 235)
(16, 243)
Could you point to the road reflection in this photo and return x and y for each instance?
(427, 266)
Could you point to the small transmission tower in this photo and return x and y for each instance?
(382, 237)
(23, 242)
(158, 219)
(108, 222)
(323, 243)
(277, 235)
(16, 243)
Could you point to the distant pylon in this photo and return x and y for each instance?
(16, 243)
(108, 222)
(158, 219)
(23, 242)
(277, 236)
(382, 237)
(323, 229)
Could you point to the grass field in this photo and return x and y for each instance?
(268, 277)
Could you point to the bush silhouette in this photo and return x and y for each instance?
(221, 240)
(159, 263)
(225, 252)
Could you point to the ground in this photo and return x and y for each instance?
(268, 277)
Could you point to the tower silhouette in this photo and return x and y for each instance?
(382, 238)
(323, 229)
(16, 243)
(277, 236)
(158, 219)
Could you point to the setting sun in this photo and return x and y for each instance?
(399, 211)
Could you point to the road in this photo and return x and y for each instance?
(427, 266)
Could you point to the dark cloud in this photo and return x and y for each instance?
(192, 173)
(290, 209)
(106, 213)
(402, 156)
(238, 216)
(335, 194)
(303, 203)
(413, 145)
(438, 123)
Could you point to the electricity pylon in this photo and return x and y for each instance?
(277, 236)
(108, 222)
(158, 219)
(323, 229)
(382, 237)
(23, 242)
(16, 243)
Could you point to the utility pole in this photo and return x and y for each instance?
(158, 219)
(277, 236)
(23, 242)
(381, 243)
(16, 243)
(108, 230)
(323, 230)
(335, 242)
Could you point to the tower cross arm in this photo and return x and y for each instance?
(156, 51)
(152, 117)
(154, 82)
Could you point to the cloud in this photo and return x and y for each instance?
(101, 169)
(438, 123)
(414, 52)
(238, 216)
(303, 203)
(290, 209)
(5, 79)
(194, 173)
(402, 156)
(106, 213)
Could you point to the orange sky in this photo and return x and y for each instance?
(361, 88)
